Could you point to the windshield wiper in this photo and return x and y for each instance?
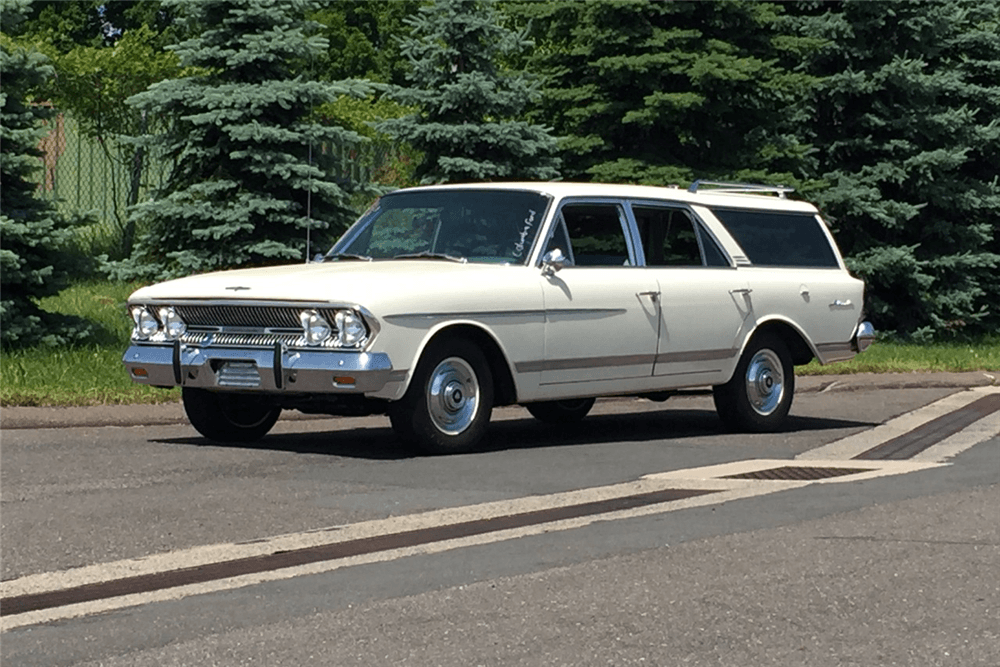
(349, 255)
(431, 255)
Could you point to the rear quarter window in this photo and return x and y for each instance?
(771, 238)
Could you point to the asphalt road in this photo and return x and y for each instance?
(897, 564)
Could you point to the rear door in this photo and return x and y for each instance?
(703, 298)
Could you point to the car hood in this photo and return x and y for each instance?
(341, 282)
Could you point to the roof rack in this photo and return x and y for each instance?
(719, 186)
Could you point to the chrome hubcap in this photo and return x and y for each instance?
(765, 382)
(453, 396)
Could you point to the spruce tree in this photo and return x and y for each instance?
(908, 138)
(37, 258)
(666, 92)
(469, 122)
(244, 189)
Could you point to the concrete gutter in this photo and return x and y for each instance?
(16, 417)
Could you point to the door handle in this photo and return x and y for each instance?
(841, 304)
(742, 290)
(652, 295)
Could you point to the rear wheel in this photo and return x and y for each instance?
(447, 408)
(561, 412)
(759, 395)
(229, 417)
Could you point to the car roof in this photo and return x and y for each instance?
(762, 199)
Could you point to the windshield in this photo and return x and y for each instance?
(494, 226)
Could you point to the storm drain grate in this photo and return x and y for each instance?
(925, 436)
(797, 473)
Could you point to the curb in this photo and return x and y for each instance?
(18, 417)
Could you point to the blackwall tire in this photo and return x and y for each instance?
(561, 412)
(229, 417)
(759, 395)
(447, 408)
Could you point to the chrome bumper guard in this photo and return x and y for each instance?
(268, 370)
(863, 337)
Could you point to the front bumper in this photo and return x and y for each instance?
(268, 370)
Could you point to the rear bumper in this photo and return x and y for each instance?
(266, 370)
(864, 336)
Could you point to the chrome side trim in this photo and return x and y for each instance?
(536, 314)
(623, 360)
(587, 313)
(583, 363)
(834, 348)
(827, 353)
(424, 318)
(700, 371)
(700, 355)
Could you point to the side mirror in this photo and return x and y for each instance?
(318, 258)
(553, 261)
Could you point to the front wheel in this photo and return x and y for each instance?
(561, 412)
(229, 417)
(759, 395)
(447, 408)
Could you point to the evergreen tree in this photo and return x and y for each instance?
(244, 189)
(363, 39)
(908, 137)
(665, 92)
(364, 43)
(469, 124)
(37, 257)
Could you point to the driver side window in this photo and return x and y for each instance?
(591, 235)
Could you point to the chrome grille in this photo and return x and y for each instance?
(256, 317)
(236, 325)
(267, 339)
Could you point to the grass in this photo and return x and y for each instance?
(93, 374)
(894, 357)
(90, 374)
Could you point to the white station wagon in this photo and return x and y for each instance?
(442, 302)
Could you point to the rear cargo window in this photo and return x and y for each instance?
(770, 238)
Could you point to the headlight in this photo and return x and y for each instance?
(173, 326)
(315, 327)
(146, 323)
(351, 329)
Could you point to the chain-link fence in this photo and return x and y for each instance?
(103, 178)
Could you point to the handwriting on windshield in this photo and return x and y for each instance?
(529, 222)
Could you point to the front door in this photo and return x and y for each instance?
(601, 309)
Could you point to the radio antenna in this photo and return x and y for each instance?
(312, 176)
(309, 203)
